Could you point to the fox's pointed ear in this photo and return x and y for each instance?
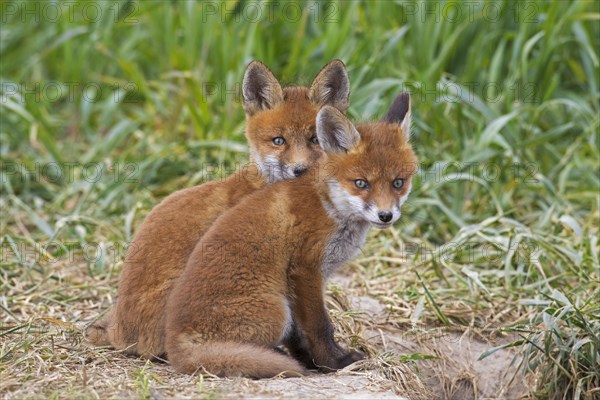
(331, 86)
(399, 113)
(335, 133)
(260, 88)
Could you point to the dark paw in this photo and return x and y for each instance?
(350, 358)
(343, 361)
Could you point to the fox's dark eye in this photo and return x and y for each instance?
(314, 140)
(278, 141)
(361, 184)
(398, 183)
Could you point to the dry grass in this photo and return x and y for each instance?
(44, 356)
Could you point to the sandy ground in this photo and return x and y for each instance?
(45, 355)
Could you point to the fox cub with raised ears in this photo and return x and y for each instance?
(280, 128)
(256, 279)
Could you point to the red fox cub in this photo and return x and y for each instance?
(256, 279)
(283, 145)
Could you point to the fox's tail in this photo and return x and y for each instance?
(97, 332)
(233, 359)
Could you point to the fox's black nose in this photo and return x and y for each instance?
(299, 170)
(385, 216)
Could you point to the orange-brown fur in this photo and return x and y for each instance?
(169, 233)
(260, 266)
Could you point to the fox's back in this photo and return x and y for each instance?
(270, 224)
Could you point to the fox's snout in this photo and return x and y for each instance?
(381, 217)
(299, 169)
(385, 216)
(293, 170)
(276, 170)
(299, 156)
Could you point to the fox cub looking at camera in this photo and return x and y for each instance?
(283, 145)
(256, 279)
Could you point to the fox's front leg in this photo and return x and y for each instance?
(315, 330)
(297, 345)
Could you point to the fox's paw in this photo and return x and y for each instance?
(342, 362)
(350, 358)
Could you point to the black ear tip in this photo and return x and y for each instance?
(327, 110)
(327, 114)
(250, 68)
(336, 66)
(402, 102)
(337, 62)
(399, 109)
(256, 65)
(404, 96)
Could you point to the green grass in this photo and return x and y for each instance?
(501, 229)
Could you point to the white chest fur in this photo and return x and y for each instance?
(343, 244)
